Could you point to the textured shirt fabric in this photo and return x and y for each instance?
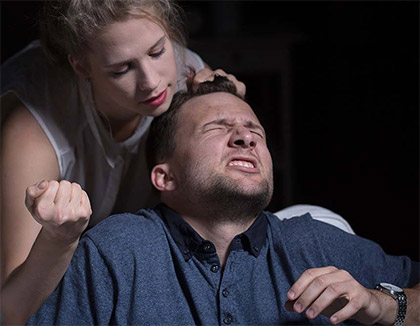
(114, 174)
(156, 270)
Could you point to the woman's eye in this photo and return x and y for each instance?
(158, 54)
(121, 72)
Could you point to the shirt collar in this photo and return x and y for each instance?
(191, 243)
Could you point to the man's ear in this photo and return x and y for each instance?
(80, 67)
(162, 179)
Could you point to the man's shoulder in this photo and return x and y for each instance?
(301, 222)
(305, 227)
(140, 227)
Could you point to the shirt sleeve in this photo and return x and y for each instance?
(364, 259)
(313, 244)
(84, 295)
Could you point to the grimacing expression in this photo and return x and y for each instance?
(132, 68)
(221, 145)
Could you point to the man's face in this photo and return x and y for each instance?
(221, 151)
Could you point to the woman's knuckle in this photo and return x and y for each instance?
(76, 186)
(53, 184)
(65, 183)
(39, 212)
(60, 216)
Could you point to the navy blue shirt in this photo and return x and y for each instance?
(153, 268)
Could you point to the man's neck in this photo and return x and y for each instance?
(220, 234)
(218, 227)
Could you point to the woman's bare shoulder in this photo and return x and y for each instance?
(23, 137)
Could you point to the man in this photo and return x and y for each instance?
(208, 254)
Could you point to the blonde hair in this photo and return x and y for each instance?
(67, 26)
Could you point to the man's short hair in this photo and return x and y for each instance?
(160, 143)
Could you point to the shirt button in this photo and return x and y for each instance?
(214, 268)
(228, 319)
(225, 293)
(207, 247)
(256, 248)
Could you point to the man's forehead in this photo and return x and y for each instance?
(220, 105)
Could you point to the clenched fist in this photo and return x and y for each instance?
(62, 208)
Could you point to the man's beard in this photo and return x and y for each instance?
(227, 201)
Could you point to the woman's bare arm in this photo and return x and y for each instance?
(33, 261)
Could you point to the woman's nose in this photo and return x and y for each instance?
(149, 79)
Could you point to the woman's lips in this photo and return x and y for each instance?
(157, 100)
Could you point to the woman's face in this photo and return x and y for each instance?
(132, 69)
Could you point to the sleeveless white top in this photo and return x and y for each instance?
(113, 174)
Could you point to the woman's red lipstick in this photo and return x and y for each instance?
(157, 100)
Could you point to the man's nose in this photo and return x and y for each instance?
(242, 137)
(149, 78)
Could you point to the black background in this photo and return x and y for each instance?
(354, 99)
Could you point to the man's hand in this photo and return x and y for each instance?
(62, 208)
(336, 294)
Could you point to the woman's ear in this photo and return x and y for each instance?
(80, 67)
(162, 178)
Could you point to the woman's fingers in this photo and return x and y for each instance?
(40, 199)
(54, 203)
(207, 74)
(64, 193)
(34, 191)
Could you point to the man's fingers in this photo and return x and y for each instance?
(305, 279)
(333, 298)
(348, 311)
(322, 291)
(328, 291)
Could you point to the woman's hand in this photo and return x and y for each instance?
(62, 208)
(207, 74)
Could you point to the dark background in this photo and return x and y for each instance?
(336, 84)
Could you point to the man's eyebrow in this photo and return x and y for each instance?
(225, 122)
(158, 43)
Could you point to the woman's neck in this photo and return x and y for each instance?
(120, 130)
(120, 122)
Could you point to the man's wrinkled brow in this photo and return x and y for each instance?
(225, 122)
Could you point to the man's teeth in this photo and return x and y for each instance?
(241, 163)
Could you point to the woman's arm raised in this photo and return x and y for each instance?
(34, 256)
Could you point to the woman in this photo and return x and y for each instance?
(117, 64)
